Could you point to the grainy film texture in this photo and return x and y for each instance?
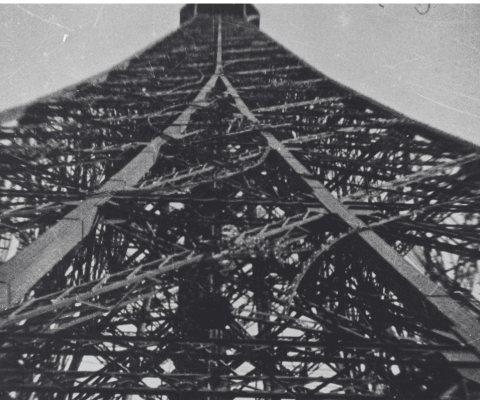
(218, 220)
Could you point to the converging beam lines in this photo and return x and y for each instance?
(464, 324)
(254, 250)
(18, 275)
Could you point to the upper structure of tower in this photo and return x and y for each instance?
(246, 12)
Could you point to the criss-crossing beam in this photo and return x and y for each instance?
(116, 297)
(418, 285)
(20, 273)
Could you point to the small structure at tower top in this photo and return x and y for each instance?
(246, 12)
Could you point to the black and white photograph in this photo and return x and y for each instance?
(222, 201)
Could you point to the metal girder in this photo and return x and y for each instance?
(135, 293)
(466, 325)
(19, 274)
(253, 72)
(361, 357)
(259, 343)
(189, 393)
(143, 274)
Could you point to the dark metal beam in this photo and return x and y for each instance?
(190, 394)
(465, 324)
(20, 273)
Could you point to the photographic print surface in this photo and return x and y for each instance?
(217, 217)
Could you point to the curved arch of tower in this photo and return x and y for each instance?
(218, 220)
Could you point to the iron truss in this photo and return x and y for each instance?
(219, 220)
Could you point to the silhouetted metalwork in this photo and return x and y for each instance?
(217, 219)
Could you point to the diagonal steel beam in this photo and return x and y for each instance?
(84, 293)
(20, 273)
(465, 324)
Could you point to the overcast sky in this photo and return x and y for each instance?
(422, 61)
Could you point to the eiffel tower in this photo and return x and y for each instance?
(215, 219)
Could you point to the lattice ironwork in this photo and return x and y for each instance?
(219, 220)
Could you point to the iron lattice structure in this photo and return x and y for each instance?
(219, 220)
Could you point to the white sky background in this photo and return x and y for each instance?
(425, 66)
